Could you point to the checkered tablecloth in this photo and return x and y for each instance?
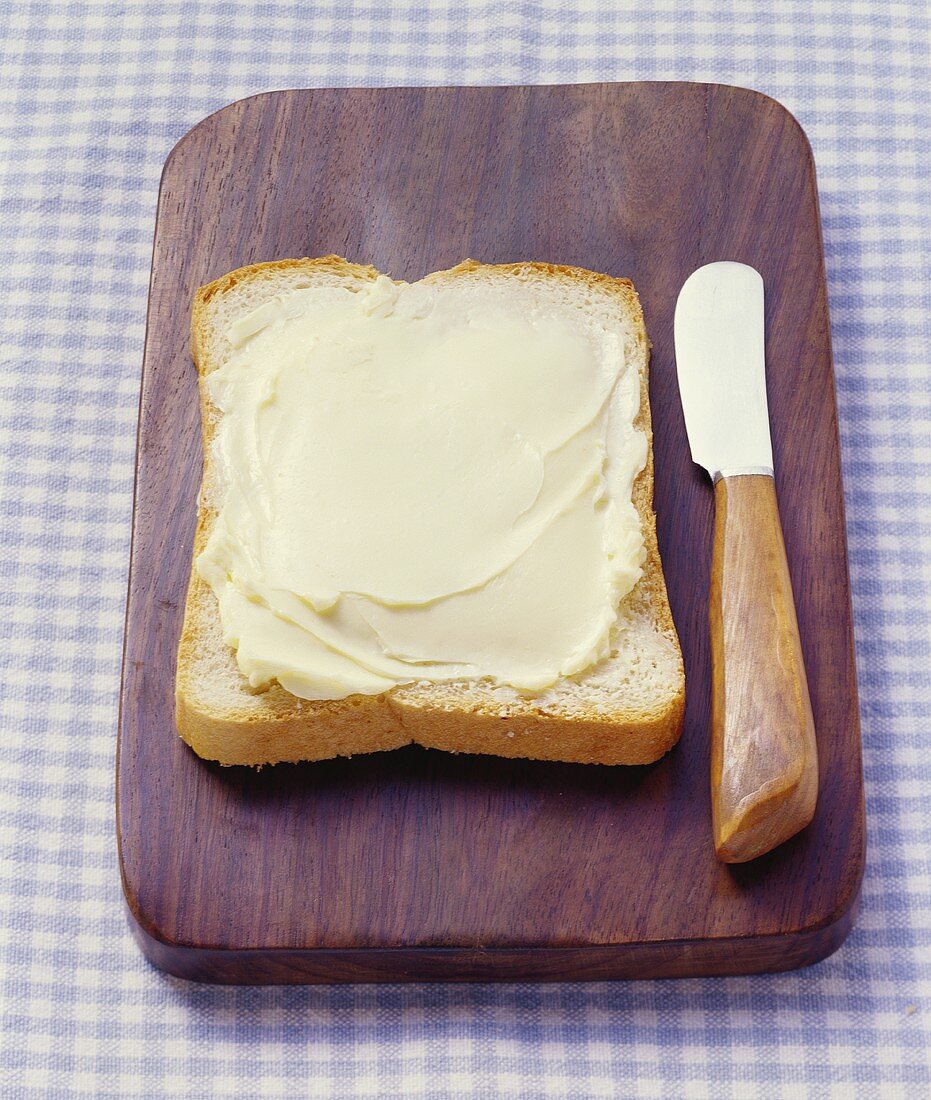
(92, 97)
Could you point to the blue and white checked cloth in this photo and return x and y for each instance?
(93, 96)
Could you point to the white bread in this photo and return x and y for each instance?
(627, 709)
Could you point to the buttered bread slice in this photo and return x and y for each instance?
(425, 517)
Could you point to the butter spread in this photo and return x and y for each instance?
(423, 482)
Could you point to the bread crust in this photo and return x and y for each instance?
(274, 726)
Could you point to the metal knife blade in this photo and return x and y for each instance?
(721, 365)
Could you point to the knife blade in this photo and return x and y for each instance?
(764, 766)
(721, 365)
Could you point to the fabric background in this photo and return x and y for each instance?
(93, 97)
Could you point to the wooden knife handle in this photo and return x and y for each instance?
(764, 762)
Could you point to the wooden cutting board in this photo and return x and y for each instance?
(416, 865)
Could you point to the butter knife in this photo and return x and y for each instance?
(764, 764)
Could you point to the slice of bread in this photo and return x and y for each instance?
(626, 709)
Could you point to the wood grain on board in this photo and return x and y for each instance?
(420, 865)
